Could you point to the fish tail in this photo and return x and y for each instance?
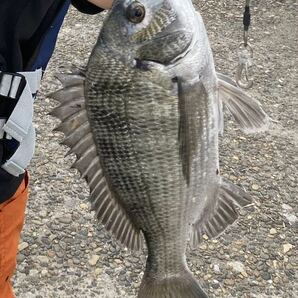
(179, 285)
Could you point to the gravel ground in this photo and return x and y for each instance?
(64, 252)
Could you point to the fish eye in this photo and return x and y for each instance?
(135, 12)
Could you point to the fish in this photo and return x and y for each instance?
(143, 118)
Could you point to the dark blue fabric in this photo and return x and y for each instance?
(28, 34)
(9, 183)
(49, 41)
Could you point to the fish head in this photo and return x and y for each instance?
(150, 30)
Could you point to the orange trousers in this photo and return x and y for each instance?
(12, 213)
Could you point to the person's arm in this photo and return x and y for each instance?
(106, 4)
(92, 6)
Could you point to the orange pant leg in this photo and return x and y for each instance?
(12, 213)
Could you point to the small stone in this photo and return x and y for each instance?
(266, 275)
(207, 277)
(253, 282)
(43, 260)
(292, 218)
(65, 219)
(255, 187)
(23, 246)
(275, 264)
(203, 247)
(215, 284)
(81, 197)
(20, 258)
(205, 237)
(84, 206)
(44, 272)
(33, 272)
(134, 260)
(273, 231)
(43, 213)
(37, 222)
(236, 266)
(289, 214)
(118, 261)
(59, 254)
(216, 268)
(51, 254)
(52, 237)
(229, 282)
(98, 271)
(93, 260)
(98, 249)
(287, 247)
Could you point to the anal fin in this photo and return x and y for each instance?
(220, 211)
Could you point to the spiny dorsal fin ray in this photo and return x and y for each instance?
(220, 212)
(77, 135)
(68, 109)
(70, 80)
(68, 94)
(76, 127)
(81, 146)
(69, 125)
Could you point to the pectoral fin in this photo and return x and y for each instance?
(192, 98)
(247, 111)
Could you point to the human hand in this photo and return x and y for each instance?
(106, 4)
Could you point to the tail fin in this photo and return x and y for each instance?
(183, 285)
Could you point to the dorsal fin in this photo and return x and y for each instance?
(78, 137)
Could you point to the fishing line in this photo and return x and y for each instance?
(244, 78)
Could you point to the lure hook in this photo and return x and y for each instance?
(244, 78)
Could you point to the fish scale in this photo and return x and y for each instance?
(146, 163)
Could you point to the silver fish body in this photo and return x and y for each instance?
(144, 123)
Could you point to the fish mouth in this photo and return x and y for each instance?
(167, 48)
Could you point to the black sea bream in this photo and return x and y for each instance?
(143, 120)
